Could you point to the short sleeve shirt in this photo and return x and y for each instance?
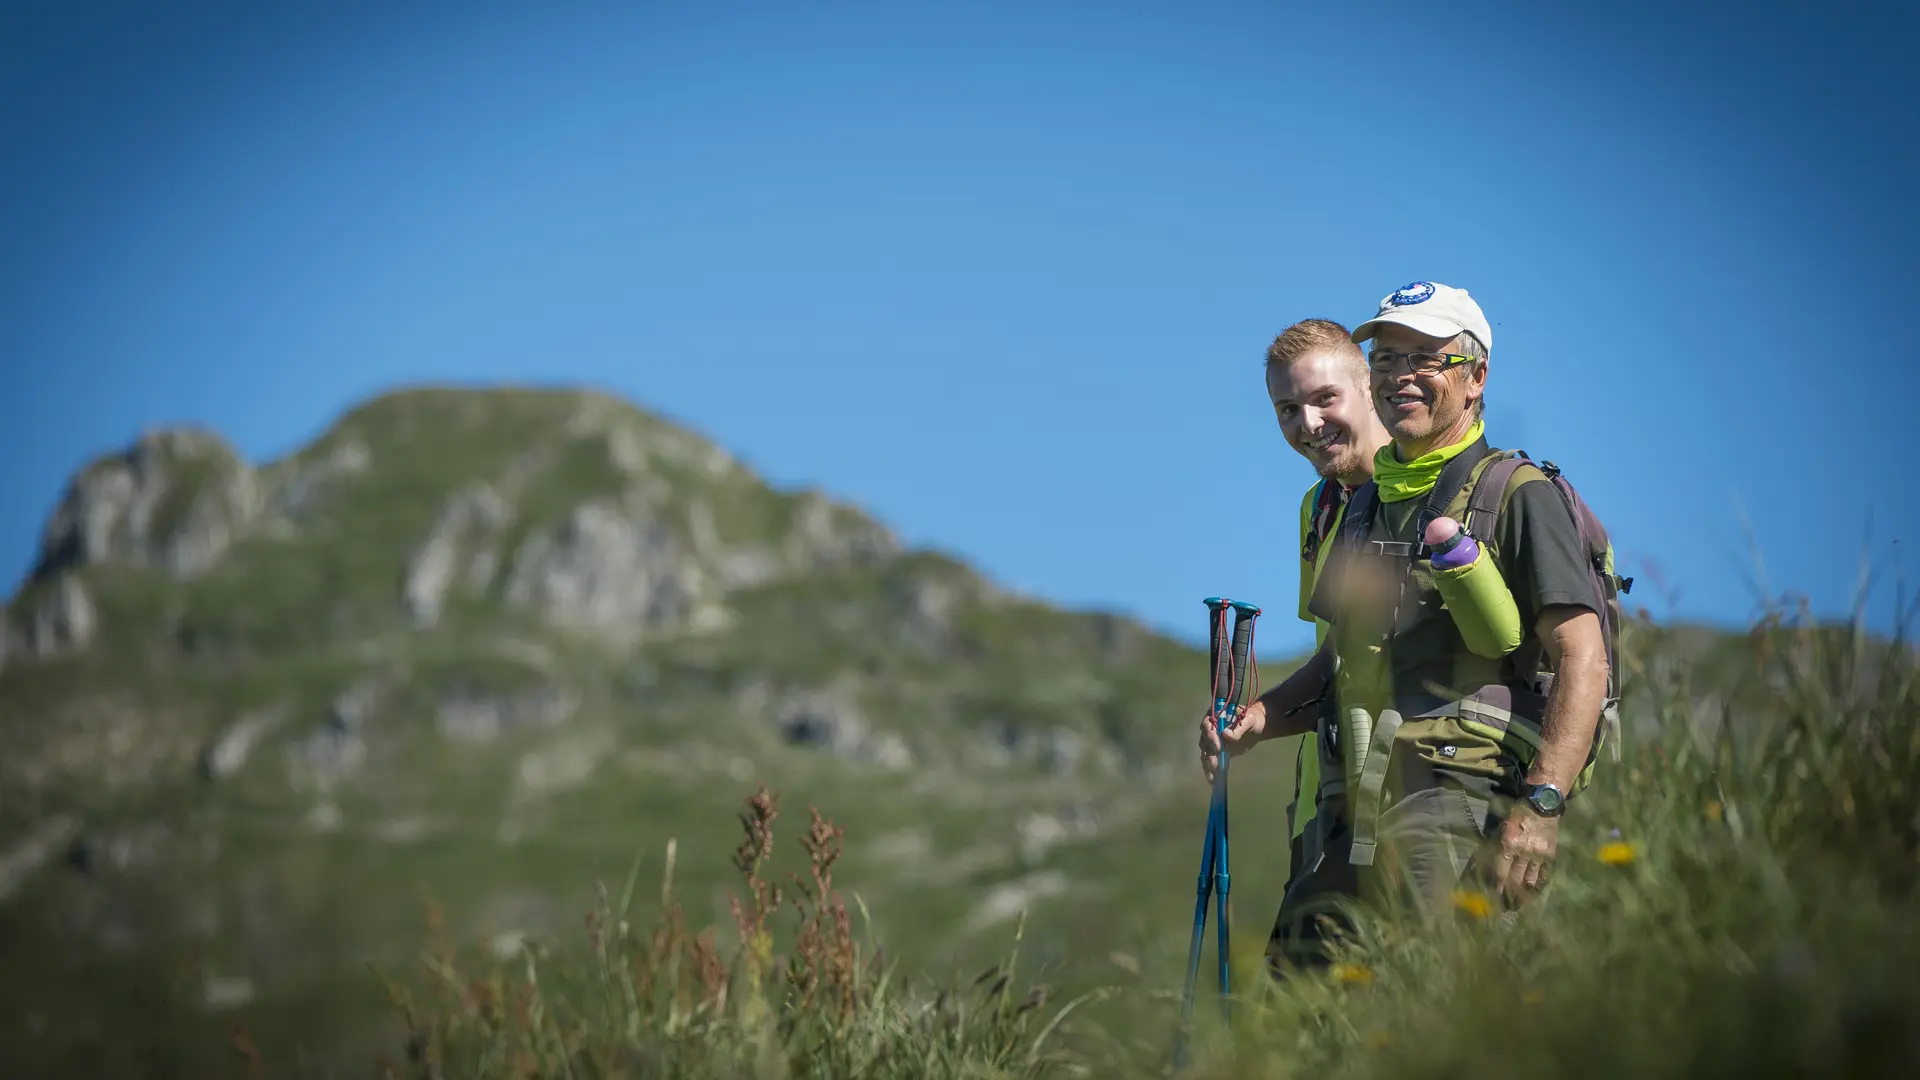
(1538, 548)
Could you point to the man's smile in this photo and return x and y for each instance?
(1322, 442)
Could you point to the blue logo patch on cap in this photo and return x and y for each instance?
(1412, 294)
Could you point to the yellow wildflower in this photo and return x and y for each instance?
(1713, 810)
(1473, 903)
(1353, 973)
(1617, 853)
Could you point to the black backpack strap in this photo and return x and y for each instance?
(1453, 478)
(1358, 521)
(1354, 526)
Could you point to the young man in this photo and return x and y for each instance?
(1317, 380)
(1456, 766)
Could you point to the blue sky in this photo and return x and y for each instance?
(1000, 273)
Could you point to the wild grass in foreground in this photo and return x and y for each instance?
(1736, 899)
(663, 1001)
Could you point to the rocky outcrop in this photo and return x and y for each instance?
(924, 607)
(1040, 833)
(337, 748)
(561, 766)
(1055, 750)
(55, 618)
(460, 549)
(228, 754)
(824, 721)
(308, 480)
(611, 566)
(175, 501)
(832, 722)
(472, 715)
(824, 535)
(1006, 901)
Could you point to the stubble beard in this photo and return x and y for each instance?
(1350, 461)
(1421, 426)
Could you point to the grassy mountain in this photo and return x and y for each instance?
(391, 708)
(488, 646)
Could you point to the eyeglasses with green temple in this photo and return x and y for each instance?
(1420, 363)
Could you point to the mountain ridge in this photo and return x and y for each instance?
(486, 644)
(488, 641)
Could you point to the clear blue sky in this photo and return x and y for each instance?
(1000, 273)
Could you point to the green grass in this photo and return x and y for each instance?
(1735, 899)
(1768, 801)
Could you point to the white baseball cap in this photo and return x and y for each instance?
(1433, 309)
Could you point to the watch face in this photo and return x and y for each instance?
(1545, 799)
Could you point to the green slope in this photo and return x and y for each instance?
(488, 646)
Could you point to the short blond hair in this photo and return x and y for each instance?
(1319, 335)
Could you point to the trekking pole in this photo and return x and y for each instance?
(1230, 689)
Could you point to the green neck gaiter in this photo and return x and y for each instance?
(1402, 480)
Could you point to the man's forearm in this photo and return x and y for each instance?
(1295, 693)
(1573, 714)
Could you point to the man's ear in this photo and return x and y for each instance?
(1476, 379)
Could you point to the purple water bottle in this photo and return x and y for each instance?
(1451, 546)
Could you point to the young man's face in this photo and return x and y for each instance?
(1324, 415)
(1419, 409)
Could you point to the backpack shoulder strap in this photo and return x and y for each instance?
(1318, 511)
(1489, 495)
(1453, 478)
(1354, 526)
(1361, 506)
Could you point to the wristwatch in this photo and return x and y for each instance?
(1545, 799)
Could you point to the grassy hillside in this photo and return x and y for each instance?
(486, 647)
(1737, 899)
(434, 743)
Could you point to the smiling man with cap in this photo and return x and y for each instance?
(1456, 766)
(1426, 320)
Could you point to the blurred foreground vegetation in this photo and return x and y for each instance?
(1736, 898)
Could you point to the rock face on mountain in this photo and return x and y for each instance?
(504, 625)
(605, 523)
(488, 562)
(175, 501)
(58, 618)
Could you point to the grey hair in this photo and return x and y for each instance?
(1466, 344)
